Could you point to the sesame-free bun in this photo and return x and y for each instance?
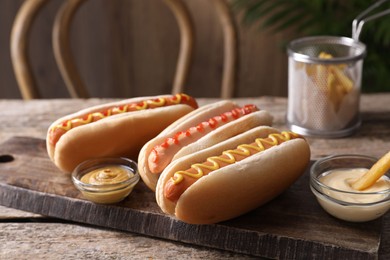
(120, 135)
(219, 134)
(237, 188)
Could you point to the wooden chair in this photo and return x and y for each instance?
(19, 48)
(230, 67)
(65, 60)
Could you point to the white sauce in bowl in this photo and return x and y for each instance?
(342, 180)
(350, 204)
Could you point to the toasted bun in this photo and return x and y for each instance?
(238, 188)
(116, 135)
(192, 119)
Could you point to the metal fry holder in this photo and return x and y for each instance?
(324, 82)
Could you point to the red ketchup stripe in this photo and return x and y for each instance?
(204, 128)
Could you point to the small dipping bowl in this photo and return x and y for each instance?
(110, 187)
(328, 196)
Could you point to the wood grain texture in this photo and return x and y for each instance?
(15, 214)
(32, 118)
(127, 48)
(280, 229)
(64, 54)
(43, 241)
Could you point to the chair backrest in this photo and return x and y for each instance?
(65, 60)
(19, 48)
(229, 28)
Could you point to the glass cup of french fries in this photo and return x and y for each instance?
(324, 85)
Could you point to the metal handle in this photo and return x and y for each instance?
(360, 20)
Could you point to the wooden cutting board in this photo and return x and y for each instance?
(291, 226)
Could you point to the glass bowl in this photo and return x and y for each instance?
(106, 180)
(353, 206)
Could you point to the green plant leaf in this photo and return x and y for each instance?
(291, 21)
(253, 11)
(282, 17)
(327, 17)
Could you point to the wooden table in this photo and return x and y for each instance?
(30, 236)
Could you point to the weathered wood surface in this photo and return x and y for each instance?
(294, 220)
(35, 240)
(32, 119)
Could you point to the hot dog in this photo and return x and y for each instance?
(195, 131)
(233, 177)
(113, 129)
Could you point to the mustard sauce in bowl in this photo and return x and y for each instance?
(106, 180)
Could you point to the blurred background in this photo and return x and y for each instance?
(126, 48)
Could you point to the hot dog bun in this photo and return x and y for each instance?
(190, 121)
(121, 134)
(239, 187)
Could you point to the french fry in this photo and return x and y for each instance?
(324, 55)
(343, 79)
(373, 174)
(321, 77)
(334, 91)
(332, 80)
(310, 69)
